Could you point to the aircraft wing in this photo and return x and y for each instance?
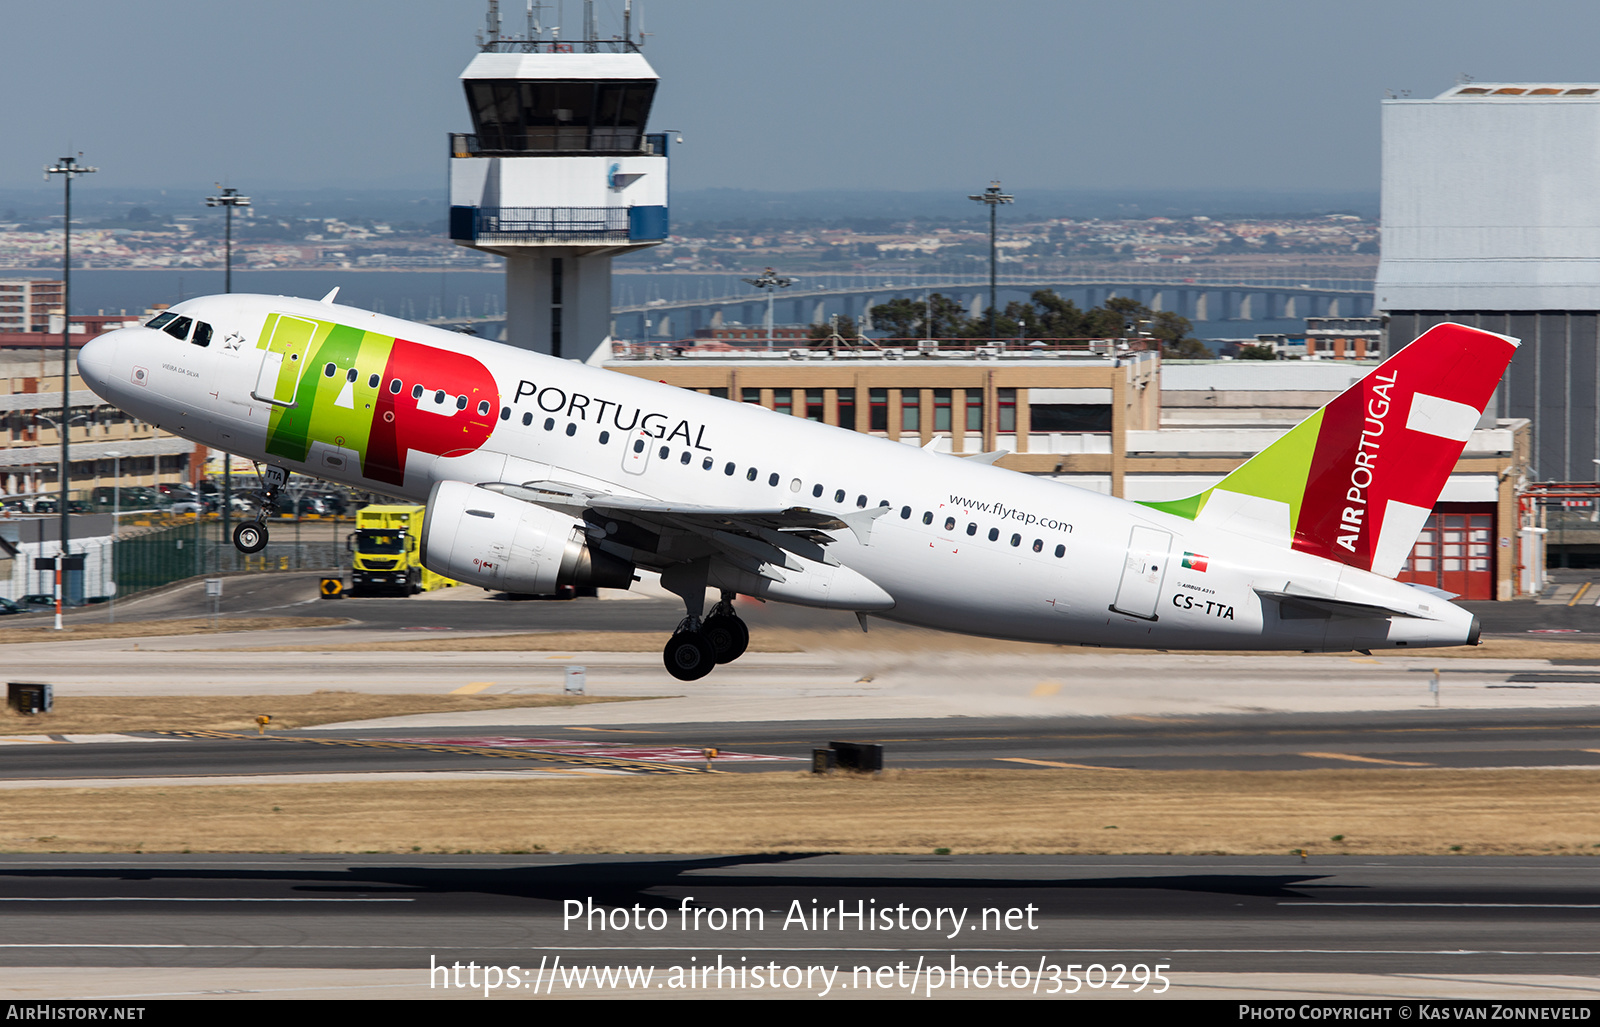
(755, 538)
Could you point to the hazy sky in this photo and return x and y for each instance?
(871, 94)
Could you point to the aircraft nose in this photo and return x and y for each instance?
(95, 361)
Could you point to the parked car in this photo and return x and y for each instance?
(37, 601)
(9, 607)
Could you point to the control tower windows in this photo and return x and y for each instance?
(559, 116)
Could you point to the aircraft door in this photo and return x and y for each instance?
(284, 360)
(1143, 571)
(636, 456)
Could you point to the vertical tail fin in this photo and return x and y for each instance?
(1356, 480)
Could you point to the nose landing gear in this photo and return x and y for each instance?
(251, 536)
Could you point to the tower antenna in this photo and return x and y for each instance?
(591, 30)
(493, 25)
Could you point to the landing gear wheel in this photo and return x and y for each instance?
(689, 656)
(727, 634)
(250, 537)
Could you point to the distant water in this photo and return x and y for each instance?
(422, 294)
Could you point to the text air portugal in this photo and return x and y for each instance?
(1384, 450)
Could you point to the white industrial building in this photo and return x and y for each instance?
(1491, 217)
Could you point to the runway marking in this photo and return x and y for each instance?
(1363, 659)
(473, 688)
(1579, 594)
(1045, 688)
(1052, 763)
(616, 731)
(1455, 905)
(644, 766)
(158, 898)
(1361, 759)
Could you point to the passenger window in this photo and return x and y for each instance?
(605, 437)
(638, 445)
(905, 513)
(687, 456)
(861, 500)
(179, 328)
(1060, 552)
(572, 428)
(794, 486)
(949, 524)
(328, 370)
(202, 334)
(927, 517)
(549, 424)
(373, 380)
(705, 465)
(838, 497)
(772, 479)
(483, 407)
(664, 451)
(750, 475)
(994, 534)
(461, 402)
(160, 320)
(816, 491)
(728, 470)
(527, 419)
(416, 391)
(972, 529)
(505, 413)
(1016, 540)
(394, 386)
(438, 397)
(885, 503)
(351, 375)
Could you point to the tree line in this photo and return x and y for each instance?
(1045, 315)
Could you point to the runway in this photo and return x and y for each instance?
(1218, 927)
(1423, 739)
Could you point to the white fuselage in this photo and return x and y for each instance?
(964, 546)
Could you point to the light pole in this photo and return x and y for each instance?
(769, 281)
(993, 198)
(68, 168)
(229, 199)
(116, 521)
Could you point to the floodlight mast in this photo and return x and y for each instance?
(229, 199)
(993, 197)
(770, 282)
(68, 168)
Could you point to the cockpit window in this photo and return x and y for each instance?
(202, 334)
(178, 328)
(160, 320)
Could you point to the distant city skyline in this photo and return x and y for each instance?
(897, 95)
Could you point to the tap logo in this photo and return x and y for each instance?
(372, 400)
(141, 376)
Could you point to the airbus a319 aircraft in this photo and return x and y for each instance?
(540, 473)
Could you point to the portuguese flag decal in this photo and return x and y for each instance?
(1195, 562)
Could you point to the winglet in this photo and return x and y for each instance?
(328, 299)
(860, 522)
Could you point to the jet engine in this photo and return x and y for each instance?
(489, 539)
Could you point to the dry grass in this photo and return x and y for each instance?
(85, 630)
(107, 714)
(967, 811)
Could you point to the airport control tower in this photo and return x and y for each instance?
(558, 175)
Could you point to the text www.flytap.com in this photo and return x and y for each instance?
(1010, 513)
(1044, 978)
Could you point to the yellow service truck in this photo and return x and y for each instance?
(385, 556)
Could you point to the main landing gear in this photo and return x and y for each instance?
(251, 536)
(697, 646)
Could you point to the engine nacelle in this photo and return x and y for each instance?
(489, 539)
